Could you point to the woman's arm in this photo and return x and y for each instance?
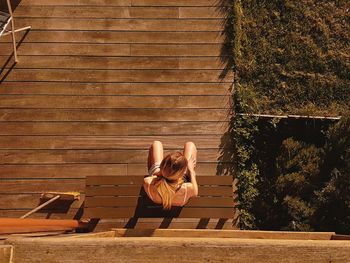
(193, 186)
(155, 154)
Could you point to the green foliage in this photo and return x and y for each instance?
(333, 198)
(289, 57)
(295, 54)
(298, 173)
(244, 130)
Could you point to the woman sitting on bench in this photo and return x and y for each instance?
(172, 179)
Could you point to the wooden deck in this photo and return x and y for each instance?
(97, 82)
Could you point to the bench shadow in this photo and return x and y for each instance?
(146, 208)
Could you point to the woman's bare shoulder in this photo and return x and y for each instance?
(149, 179)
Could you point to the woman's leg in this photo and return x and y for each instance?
(190, 152)
(155, 154)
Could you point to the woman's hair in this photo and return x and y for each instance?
(172, 169)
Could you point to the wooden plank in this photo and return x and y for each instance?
(186, 212)
(78, 2)
(105, 142)
(113, 114)
(60, 171)
(115, 88)
(106, 12)
(112, 102)
(113, 37)
(77, 62)
(174, 2)
(87, 49)
(173, 223)
(113, 128)
(138, 180)
(118, 75)
(210, 169)
(30, 201)
(220, 191)
(41, 185)
(201, 12)
(69, 49)
(168, 250)
(251, 234)
(86, 156)
(124, 2)
(15, 213)
(116, 12)
(123, 24)
(213, 50)
(103, 201)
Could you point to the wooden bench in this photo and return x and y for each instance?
(124, 197)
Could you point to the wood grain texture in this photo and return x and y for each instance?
(109, 12)
(86, 156)
(124, 2)
(78, 2)
(122, 24)
(106, 12)
(113, 128)
(28, 171)
(117, 37)
(51, 171)
(87, 49)
(82, 62)
(196, 249)
(97, 82)
(119, 75)
(112, 102)
(105, 142)
(21, 88)
(104, 115)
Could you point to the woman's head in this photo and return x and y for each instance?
(172, 169)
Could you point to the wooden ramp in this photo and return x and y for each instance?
(96, 83)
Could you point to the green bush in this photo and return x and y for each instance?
(298, 175)
(333, 197)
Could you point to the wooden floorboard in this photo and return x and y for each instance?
(96, 83)
(155, 89)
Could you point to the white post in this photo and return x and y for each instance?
(12, 30)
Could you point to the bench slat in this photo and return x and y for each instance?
(185, 212)
(111, 201)
(138, 180)
(137, 190)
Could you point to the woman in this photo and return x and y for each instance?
(172, 179)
